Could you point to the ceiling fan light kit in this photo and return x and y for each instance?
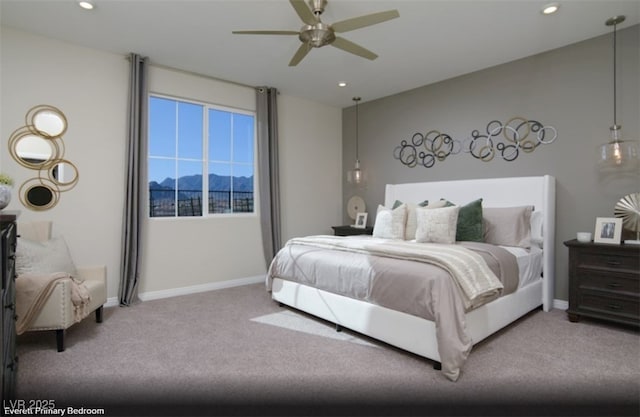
(316, 34)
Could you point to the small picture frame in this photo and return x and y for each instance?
(608, 230)
(361, 221)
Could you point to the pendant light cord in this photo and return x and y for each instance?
(615, 119)
(357, 130)
(357, 99)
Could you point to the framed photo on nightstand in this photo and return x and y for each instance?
(608, 230)
(361, 221)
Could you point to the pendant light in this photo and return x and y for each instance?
(617, 154)
(356, 176)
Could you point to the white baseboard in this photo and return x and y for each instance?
(112, 302)
(560, 304)
(193, 289)
(155, 295)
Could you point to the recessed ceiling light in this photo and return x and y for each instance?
(342, 84)
(87, 5)
(550, 8)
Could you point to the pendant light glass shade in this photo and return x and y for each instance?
(617, 154)
(356, 176)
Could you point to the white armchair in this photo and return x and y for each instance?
(57, 312)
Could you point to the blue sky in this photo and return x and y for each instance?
(176, 130)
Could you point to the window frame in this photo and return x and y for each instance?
(205, 159)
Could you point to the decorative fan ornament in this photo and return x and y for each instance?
(628, 209)
(316, 34)
(355, 205)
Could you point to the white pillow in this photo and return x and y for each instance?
(390, 223)
(536, 228)
(44, 257)
(437, 225)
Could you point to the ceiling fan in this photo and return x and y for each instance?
(315, 33)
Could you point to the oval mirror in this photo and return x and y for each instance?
(47, 121)
(63, 173)
(34, 151)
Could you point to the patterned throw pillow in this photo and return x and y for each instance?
(390, 223)
(437, 225)
(411, 224)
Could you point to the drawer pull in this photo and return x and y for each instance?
(614, 285)
(614, 306)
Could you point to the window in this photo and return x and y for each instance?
(200, 159)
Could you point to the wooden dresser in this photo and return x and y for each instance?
(8, 322)
(604, 282)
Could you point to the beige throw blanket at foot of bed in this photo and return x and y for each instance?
(33, 290)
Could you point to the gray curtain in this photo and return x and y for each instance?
(269, 185)
(134, 209)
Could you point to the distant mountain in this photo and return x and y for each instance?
(194, 182)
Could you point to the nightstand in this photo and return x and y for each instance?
(604, 282)
(348, 230)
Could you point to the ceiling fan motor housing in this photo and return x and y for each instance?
(317, 35)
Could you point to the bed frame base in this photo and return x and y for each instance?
(402, 330)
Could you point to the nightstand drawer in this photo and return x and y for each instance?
(618, 262)
(612, 306)
(610, 281)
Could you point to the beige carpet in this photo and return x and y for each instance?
(236, 352)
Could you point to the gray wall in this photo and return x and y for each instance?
(570, 88)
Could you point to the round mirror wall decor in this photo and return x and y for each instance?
(33, 151)
(39, 146)
(37, 195)
(46, 121)
(64, 174)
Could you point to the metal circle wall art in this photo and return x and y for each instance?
(39, 146)
(505, 140)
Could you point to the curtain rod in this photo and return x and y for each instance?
(197, 74)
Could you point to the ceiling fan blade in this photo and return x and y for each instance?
(363, 21)
(300, 54)
(353, 48)
(265, 32)
(304, 12)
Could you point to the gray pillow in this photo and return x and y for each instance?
(508, 226)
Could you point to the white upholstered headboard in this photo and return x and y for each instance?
(495, 192)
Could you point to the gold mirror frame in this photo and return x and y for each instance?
(46, 121)
(55, 174)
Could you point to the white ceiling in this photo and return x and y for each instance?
(432, 40)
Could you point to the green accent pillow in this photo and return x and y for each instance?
(470, 226)
(398, 203)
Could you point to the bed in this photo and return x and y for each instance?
(424, 335)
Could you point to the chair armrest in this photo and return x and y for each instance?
(95, 279)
